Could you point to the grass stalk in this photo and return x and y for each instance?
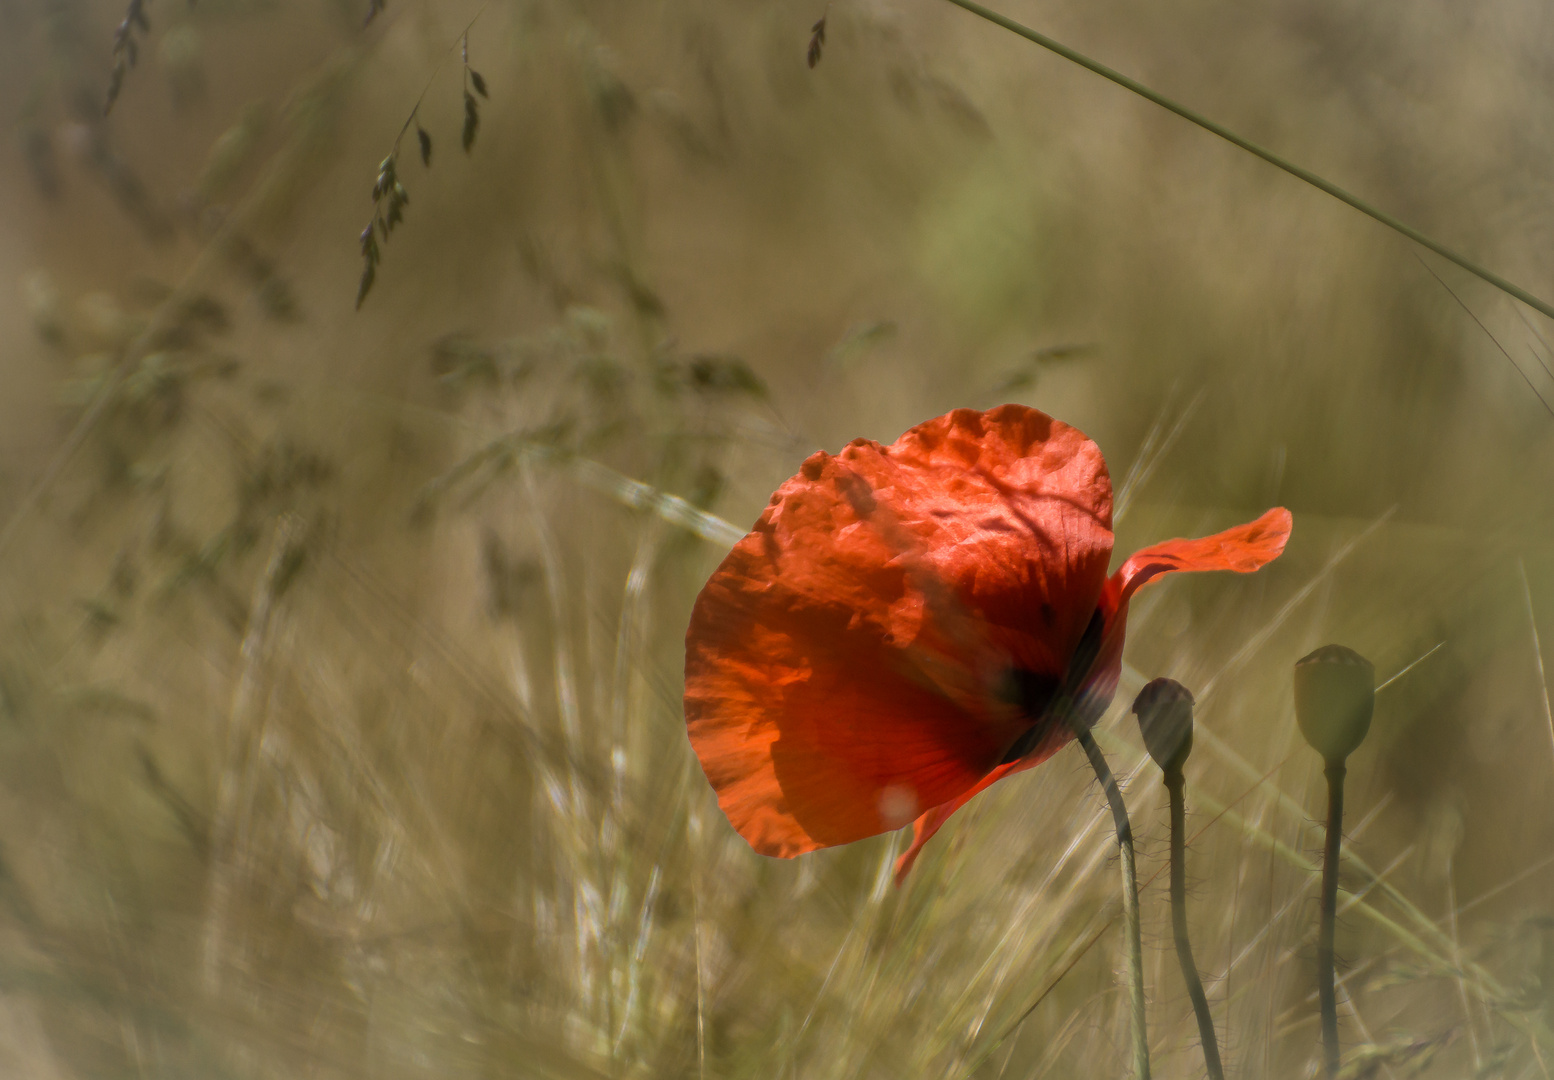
(1195, 117)
(236, 784)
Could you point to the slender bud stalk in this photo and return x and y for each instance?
(1200, 1000)
(1164, 708)
(1130, 897)
(1326, 990)
(1335, 694)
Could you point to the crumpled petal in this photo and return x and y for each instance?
(849, 662)
(1242, 549)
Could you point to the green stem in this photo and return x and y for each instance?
(1252, 148)
(1325, 989)
(1200, 1001)
(1130, 897)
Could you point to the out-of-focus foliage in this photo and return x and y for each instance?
(340, 651)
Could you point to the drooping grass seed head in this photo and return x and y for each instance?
(1164, 709)
(1335, 694)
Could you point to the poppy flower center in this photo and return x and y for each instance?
(1033, 692)
(1030, 691)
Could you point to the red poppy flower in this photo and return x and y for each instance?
(908, 624)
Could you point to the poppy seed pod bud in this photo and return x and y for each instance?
(1335, 693)
(1164, 709)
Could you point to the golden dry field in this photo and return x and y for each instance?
(341, 648)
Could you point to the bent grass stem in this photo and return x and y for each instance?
(1194, 117)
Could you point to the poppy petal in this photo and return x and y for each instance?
(925, 826)
(1242, 549)
(849, 663)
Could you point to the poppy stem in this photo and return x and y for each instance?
(1325, 983)
(1200, 1002)
(1130, 896)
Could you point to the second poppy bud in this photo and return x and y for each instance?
(1164, 709)
(1335, 694)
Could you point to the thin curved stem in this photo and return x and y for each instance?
(1130, 896)
(1200, 1000)
(1325, 963)
(1192, 116)
(463, 37)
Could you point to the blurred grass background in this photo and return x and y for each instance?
(340, 659)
